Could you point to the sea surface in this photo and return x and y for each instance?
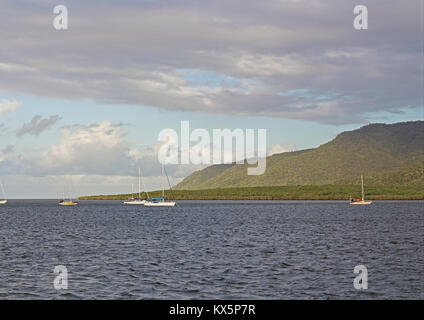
(212, 250)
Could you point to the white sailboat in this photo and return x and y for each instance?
(68, 201)
(136, 201)
(4, 201)
(360, 201)
(160, 202)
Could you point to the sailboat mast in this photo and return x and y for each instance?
(139, 185)
(362, 183)
(71, 189)
(67, 192)
(2, 189)
(163, 185)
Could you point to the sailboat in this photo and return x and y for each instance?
(136, 200)
(160, 202)
(69, 201)
(4, 201)
(360, 201)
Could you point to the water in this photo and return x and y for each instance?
(211, 250)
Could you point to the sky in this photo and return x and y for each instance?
(87, 104)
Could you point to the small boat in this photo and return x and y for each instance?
(160, 202)
(360, 201)
(136, 201)
(4, 201)
(70, 201)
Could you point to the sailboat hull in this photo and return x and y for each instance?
(160, 204)
(3, 201)
(68, 203)
(361, 202)
(135, 202)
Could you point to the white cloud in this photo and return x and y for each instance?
(96, 149)
(278, 148)
(9, 106)
(99, 149)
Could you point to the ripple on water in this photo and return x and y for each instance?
(211, 250)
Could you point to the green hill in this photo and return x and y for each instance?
(412, 175)
(385, 154)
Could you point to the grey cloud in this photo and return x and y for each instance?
(132, 52)
(37, 125)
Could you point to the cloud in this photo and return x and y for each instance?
(97, 156)
(95, 149)
(264, 47)
(11, 162)
(278, 148)
(100, 149)
(8, 106)
(37, 125)
(266, 65)
(8, 149)
(53, 186)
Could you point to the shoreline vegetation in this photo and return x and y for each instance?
(309, 192)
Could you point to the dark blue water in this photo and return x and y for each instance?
(212, 250)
